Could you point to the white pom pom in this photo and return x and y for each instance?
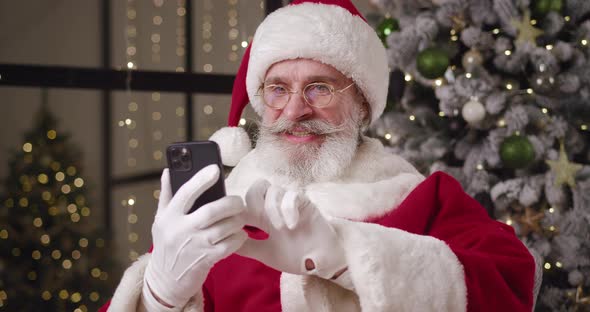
(234, 144)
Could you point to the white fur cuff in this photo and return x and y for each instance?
(393, 270)
(128, 293)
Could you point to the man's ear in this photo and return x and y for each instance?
(366, 113)
(365, 109)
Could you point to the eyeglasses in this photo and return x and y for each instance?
(316, 94)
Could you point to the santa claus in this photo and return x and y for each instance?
(344, 225)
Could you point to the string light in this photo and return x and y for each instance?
(27, 147)
(509, 221)
(584, 127)
(547, 266)
(37, 222)
(63, 294)
(567, 18)
(407, 77)
(468, 75)
(42, 178)
(412, 117)
(181, 41)
(83, 242)
(45, 239)
(51, 134)
(387, 136)
(76, 297)
(46, 295)
(207, 27)
(131, 35)
(507, 52)
(549, 47)
(584, 42)
(56, 254)
(79, 182)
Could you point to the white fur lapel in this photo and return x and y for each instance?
(376, 182)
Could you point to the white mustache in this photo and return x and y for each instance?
(314, 126)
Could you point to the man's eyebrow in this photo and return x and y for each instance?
(322, 79)
(319, 78)
(273, 80)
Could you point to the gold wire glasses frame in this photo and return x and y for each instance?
(315, 94)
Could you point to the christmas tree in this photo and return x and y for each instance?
(497, 93)
(51, 257)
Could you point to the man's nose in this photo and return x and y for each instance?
(297, 109)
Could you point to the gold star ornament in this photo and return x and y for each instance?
(530, 221)
(526, 31)
(565, 171)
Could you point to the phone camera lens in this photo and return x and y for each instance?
(176, 164)
(185, 157)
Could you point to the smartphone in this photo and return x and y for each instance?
(185, 159)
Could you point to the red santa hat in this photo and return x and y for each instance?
(332, 32)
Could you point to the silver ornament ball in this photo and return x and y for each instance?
(473, 111)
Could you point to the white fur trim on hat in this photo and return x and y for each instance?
(234, 143)
(326, 33)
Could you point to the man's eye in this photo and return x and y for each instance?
(320, 89)
(276, 90)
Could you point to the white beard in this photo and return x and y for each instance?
(303, 163)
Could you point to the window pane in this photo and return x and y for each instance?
(63, 32)
(221, 30)
(211, 112)
(144, 123)
(148, 35)
(78, 115)
(133, 210)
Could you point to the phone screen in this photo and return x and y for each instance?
(185, 159)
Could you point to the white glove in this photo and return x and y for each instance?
(186, 246)
(301, 241)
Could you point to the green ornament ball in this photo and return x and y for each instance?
(386, 27)
(543, 7)
(517, 152)
(432, 62)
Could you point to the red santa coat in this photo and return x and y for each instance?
(434, 249)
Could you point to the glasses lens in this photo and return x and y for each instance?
(318, 94)
(275, 96)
